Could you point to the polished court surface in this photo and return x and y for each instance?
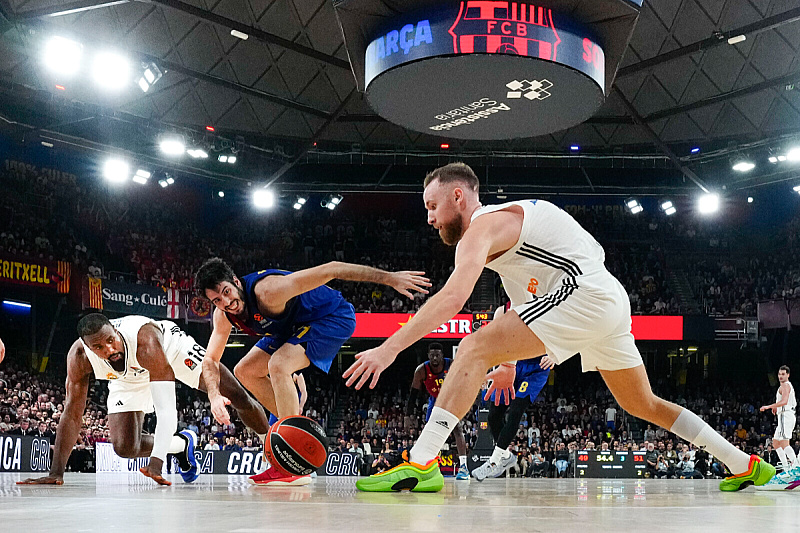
(131, 503)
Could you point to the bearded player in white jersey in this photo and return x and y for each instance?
(785, 409)
(564, 301)
(141, 358)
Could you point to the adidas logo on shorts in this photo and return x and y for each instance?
(119, 402)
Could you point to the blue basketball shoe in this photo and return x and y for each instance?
(187, 462)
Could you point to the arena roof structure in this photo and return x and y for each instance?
(274, 81)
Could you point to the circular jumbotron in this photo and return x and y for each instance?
(476, 71)
(296, 445)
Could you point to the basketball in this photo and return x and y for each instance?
(296, 445)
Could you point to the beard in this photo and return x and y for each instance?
(243, 310)
(451, 233)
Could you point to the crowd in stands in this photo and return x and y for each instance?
(148, 238)
(375, 423)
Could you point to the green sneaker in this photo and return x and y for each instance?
(405, 476)
(759, 473)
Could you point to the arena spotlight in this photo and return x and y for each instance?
(336, 199)
(796, 189)
(226, 158)
(231, 159)
(634, 206)
(62, 55)
(150, 75)
(574, 148)
(197, 153)
(141, 177)
(708, 203)
(163, 184)
(221, 194)
(170, 180)
(263, 198)
(668, 207)
(111, 71)
(773, 159)
(299, 203)
(116, 170)
(174, 146)
(793, 154)
(743, 165)
(696, 150)
(749, 199)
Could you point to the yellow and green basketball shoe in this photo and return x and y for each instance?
(758, 473)
(405, 476)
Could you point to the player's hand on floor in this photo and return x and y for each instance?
(406, 281)
(369, 363)
(219, 409)
(502, 382)
(47, 480)
(546, 363)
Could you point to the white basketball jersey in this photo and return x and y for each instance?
(128, 328)
(552, 251)
(791, 405)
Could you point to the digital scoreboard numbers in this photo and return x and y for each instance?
(611, 464)
(480, 319)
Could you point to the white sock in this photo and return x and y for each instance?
(790, 455)
(691, 427)
(177, 445)
(462, 460)
(784, 459)
(433, 436)
(498, 455)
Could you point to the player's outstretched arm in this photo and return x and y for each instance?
(79, 372)
(471, 256)
(275, 291)
(211, 362)
(150, 354)
(784, 390)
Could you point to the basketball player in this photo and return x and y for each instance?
(431, 373)
(141, 359)
(300, 320)
(2, 350)
(784, 407)
(564, 301)
(531, 377)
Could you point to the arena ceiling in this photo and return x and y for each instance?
(286, 97)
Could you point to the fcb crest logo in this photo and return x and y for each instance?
(502, 27)
(484, 425)
(200, 307)
(190, 363)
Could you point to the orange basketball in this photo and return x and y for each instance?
(296, 445)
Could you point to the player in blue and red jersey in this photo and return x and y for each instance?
(431, 373)
(300, 320)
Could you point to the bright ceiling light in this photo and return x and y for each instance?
(793, 154)
(197, 153)
(116, 170)
(666, 205)
(173, 146)
(744, 166)
(263, 198)
(223, 159)
(749, 199)
(231, 159)
(670, 211)
(637, 209)
(111, 71)
(221, 194)
(62, 55)
(708, 203)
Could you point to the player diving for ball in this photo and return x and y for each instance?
(431, 373)
(506, 408)
(300, 320)
(141, 359)
(564, 302)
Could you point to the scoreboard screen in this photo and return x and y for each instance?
(480, 319)
(611, 464)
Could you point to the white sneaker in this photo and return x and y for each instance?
(788, 480)
(490, 469)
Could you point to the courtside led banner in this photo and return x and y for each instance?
(382, 325)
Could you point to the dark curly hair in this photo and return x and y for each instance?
(210, 274)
